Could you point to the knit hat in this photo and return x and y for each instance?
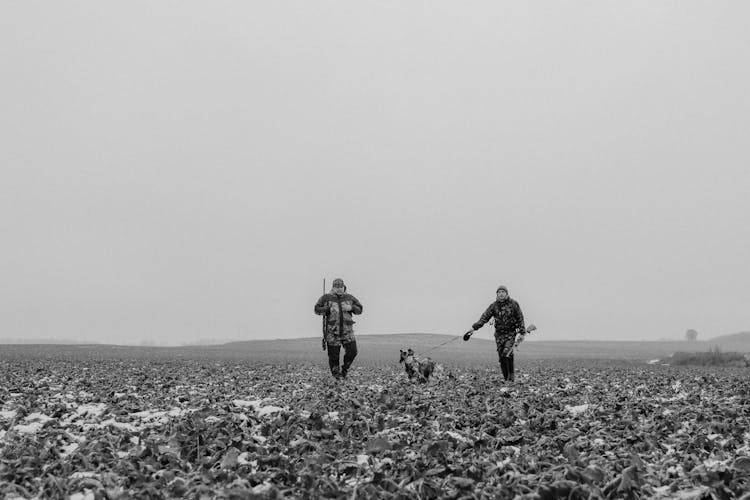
(502, 287)
(339, 283)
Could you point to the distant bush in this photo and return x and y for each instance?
(713, 357)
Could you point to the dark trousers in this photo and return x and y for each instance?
(506, 365)
(505, 341)
(350, 352)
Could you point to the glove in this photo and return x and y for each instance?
(468, 334)
(476, 326)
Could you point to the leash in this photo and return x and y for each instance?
(529, 329)
(439, 345)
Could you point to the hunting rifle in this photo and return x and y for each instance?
(324, 318)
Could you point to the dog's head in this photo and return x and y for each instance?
(405, 354)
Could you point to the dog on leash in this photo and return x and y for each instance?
(421, 369)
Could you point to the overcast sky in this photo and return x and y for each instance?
(180, 170)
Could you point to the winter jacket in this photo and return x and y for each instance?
(507, 314)
(339, 323)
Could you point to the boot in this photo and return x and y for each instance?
(504, 367)
(511, 371)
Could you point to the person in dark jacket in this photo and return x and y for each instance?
(508, 322)
(337, 307)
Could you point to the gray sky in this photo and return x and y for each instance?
(188, 170)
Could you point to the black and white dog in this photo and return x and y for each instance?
(421, 369)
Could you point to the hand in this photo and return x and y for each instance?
(476, 326)
(346, 307)
(468, 335)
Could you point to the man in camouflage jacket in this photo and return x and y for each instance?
(508, 322)
(337, 308)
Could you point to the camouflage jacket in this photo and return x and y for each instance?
(507, 314)
(339, 322)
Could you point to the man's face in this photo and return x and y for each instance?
(502, 295)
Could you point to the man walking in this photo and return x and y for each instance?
(508, 322)
(337, 308)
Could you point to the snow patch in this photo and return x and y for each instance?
(148, 414)
(158, 416)
(82, 475)
(68, 449)
(91, 409)
(8, 414)
(85, 495)
(577, 410)
(34, 423)
(456, 436)
(243, 403)
(711, 463)
(262, 488)
(38, 417)
(678, 397)
(120, 425)
(242, 460)
(269, 410)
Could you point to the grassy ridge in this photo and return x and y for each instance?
(379, 349)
